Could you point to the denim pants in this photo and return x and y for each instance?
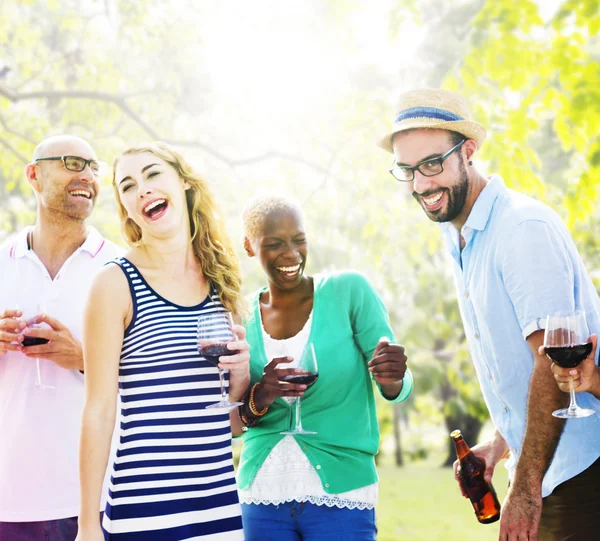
(48, 530)
(295, 521)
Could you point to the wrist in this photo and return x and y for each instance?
(526, 488)
(248, 412)
(527, 480)
(238, 387)
(261, 398)
(595, 387)
(255, 409)
(88, 522)
(391, 391)
(500, 447)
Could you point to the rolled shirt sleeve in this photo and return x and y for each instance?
(538, 274)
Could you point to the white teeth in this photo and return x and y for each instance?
(154, 204)
(289, 269)
(82, 193)
(433, 200)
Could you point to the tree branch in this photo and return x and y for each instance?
(6, 144)
(120, 102)
(13, 132)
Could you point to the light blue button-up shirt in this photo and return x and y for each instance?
(518, 265)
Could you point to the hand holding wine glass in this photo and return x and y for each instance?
(566, 344)
(583, 378)
(52, 340)
(238, 364)
(272, 385)
(30, 340)
(306, 373)
(216, 339)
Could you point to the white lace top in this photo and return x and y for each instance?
(286, 474)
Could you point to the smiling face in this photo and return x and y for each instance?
(152, 194)
(60, 191)
(282, 248)
(443, 197)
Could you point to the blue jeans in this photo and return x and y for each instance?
(306, 521)
(48, 530)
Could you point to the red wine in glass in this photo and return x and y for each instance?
(34, 341)
(301, 379)
(565, 342)
(215, 331)
(310, 372)
(212, 352)
(569, 356)
(32, 321)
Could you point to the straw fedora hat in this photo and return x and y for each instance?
(433, 108)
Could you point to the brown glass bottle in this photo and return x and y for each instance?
(481, 493)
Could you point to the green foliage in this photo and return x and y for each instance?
(118, 73)
(521, 72)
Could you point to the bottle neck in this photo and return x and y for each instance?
(462, 449)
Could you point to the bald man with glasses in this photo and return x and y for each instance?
(46, 273)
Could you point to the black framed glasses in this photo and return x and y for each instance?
(428, 168)
(77, 163)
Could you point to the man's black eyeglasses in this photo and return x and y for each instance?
(428, 168)
(76, 163)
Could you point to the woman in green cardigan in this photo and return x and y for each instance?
(320, 486)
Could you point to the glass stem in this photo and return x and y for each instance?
(298, 417)
(39, 373)
(572, 404)
(223, 394)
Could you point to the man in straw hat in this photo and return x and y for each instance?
(514, 262)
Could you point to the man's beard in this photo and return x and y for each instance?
(456, 198)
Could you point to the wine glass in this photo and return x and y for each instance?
(310, 372)
(215, 331)
(289, 400)
(566, 343)
(31, 320)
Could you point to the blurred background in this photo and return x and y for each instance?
(291, 97)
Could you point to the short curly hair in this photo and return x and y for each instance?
(259, 208)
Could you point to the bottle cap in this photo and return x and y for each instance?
(455, 434)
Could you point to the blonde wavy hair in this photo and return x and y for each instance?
(210, 242)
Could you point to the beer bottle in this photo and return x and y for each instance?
(471, 470)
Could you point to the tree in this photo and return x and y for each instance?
(121, 72)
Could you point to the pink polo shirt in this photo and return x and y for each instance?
(39, 428)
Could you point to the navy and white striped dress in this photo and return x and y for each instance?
(173, 476)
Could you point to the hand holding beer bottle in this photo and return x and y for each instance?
(474, 486)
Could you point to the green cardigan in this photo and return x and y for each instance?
(348, 320)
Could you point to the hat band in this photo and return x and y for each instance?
(428, 112)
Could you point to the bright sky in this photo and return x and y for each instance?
(288, 62)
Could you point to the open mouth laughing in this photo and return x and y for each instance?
(154, 209)
(433, 202)
(289, 272)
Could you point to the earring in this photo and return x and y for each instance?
(470, 162)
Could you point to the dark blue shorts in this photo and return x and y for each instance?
(296, 521)
(48, 530)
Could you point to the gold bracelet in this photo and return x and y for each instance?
(252, 404)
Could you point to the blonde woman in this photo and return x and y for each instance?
(173, 476)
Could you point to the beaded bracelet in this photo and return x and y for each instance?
(252, 404)
(246, 422)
